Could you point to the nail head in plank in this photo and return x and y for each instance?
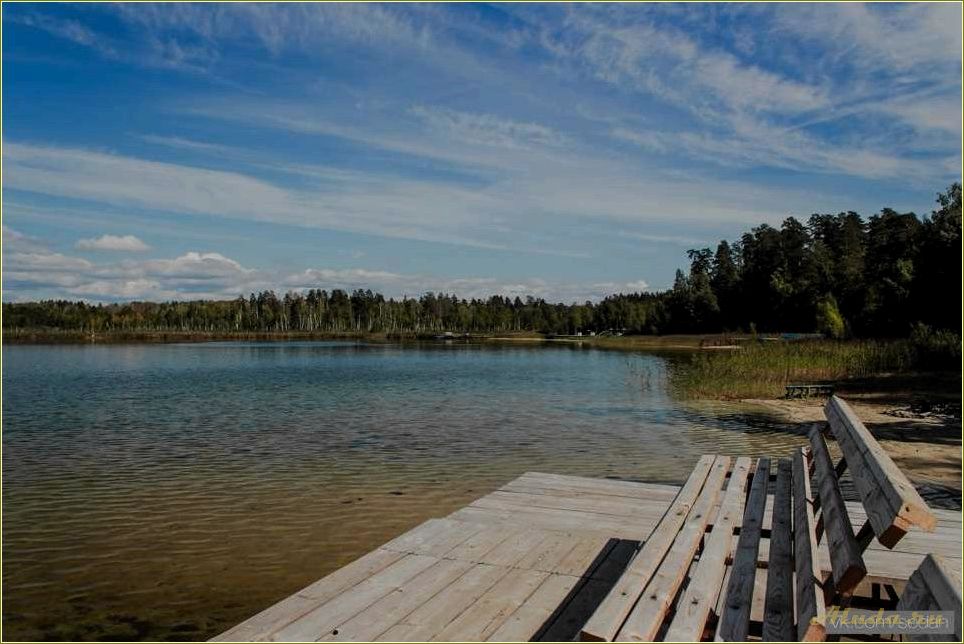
(705, 584)
(647, 616)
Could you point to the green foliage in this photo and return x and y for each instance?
(935, 349)
(829, 321)
(761, 369)
(836, 274)
(883, 275)
(338, 312)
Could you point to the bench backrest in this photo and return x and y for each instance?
(892, 504)
(934, 586)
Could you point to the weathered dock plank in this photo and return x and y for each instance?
(533, 560)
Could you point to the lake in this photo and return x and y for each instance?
(170, 491)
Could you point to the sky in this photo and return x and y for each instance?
(157, 152)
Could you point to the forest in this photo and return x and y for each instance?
(835, 274)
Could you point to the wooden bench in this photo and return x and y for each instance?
(805, 391)
(934, 586)
(724, 496)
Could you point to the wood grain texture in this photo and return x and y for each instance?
(811, 610)
(848, 566)
(735, 620)
(893, 504)
(706, 581)
(935, 585)
(778, 608)
(646, 617)
(610, 615)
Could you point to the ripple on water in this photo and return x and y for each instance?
(167, 492)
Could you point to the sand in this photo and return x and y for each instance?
(927, 447)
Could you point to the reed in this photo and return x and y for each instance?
(762, 369)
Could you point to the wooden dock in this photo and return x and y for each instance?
(530, 561)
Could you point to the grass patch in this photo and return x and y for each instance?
(762, 369)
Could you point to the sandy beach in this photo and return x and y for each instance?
(926, 445)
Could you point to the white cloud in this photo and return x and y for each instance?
(942, 113)
(575, 183)
(487, 129)
(755, 143)
(212, 275)
(71, 30)
(191, 145)
(120, 243)
(638, 285)
(889, 37)
(667, 63)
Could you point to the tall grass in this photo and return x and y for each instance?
(762, 369)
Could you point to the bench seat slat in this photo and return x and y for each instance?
(707, 580)
(647, 615)
(735, 620)
(612, 612)
(778, 608)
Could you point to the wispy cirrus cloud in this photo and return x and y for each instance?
(512, 133)
(487, 129)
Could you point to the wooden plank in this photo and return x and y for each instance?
(486, 615)
(735, 620)
(616, 561)
(778, 609)
(888, 495)
(322, 620)
(431, 617)
(848, 566)
(935, 580)
(540, 607)
(707, 580)
(350, 575)
(640, 494)
(811, 611)
(510, 551)
(585, 556)
(478, 545)
(257, 628)
(609, 486)
(550, 553)
(435, 537)
(310, 597)
(383, 614)
(619, 507)
(647, 615)
(610, 615)
(560, 520)
(565, 627)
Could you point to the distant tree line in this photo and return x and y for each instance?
(837, 274)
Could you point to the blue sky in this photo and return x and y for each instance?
(180, 151)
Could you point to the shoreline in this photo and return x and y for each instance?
(42, 337)
(925, 446)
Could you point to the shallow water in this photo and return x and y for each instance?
(169, 491)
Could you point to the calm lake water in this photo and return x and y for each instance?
(170, 491)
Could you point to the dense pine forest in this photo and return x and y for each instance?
(839, 275)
